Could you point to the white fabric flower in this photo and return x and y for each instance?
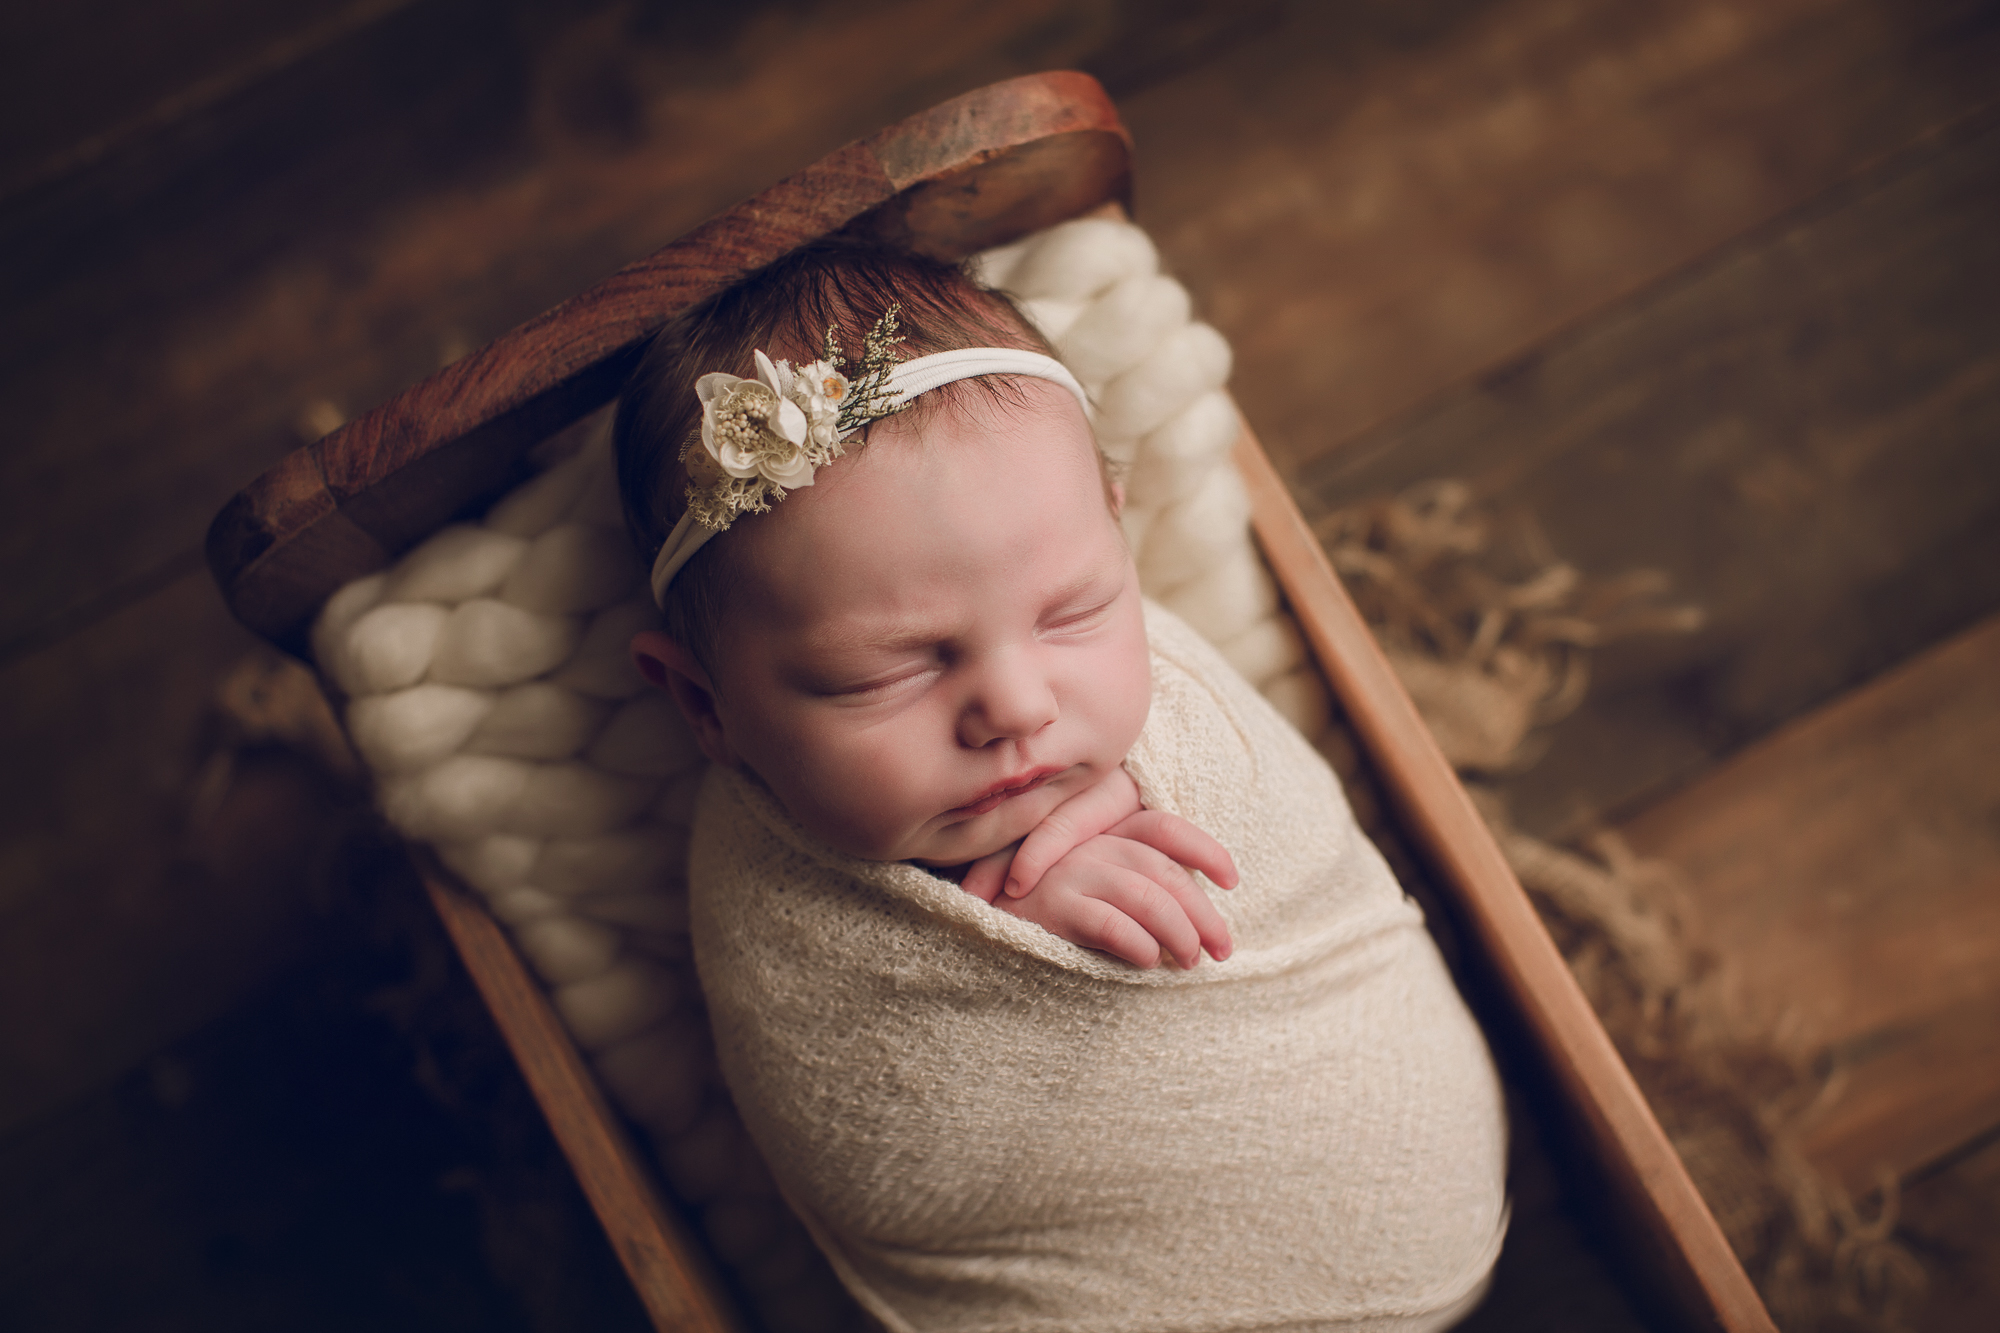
(790, 472)
(751, 429)
(780, 377)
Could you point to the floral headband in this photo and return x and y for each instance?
(762, 437)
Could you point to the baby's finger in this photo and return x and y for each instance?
(1156, 911)
(1119, 935)
(984, 876)
(1070, 825)
(1086, 921)
(1182, 841)
(1162, 870)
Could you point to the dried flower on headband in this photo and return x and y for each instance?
(762, 437)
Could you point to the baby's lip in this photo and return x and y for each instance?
(1005, 789)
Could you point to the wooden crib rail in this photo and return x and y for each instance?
(668, 1269)
(978, 171)
(1672, 1238)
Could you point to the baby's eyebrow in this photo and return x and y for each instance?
(1089, 583)
(894, 637)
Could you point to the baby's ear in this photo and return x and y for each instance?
(669, 666)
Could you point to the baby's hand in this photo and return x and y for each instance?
(1127, 898)
(1105, 874)
(1111, 806)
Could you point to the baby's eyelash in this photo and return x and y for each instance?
(876, 688)
(1071, 618)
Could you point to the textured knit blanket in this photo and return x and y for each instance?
(989, 1128)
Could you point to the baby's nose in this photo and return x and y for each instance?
(1011, 702)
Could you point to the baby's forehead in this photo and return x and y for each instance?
(973, 495)
(1017, 415)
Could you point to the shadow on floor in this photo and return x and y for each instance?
(348, 1148)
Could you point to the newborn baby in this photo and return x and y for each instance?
(964, 783)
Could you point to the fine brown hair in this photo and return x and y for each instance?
(785, 310)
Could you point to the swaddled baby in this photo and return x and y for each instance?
(976, 815)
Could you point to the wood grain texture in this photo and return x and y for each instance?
(1683, 1244)
(1798, 432)
(168, 62)
(453, 442)
(1377, 200)
(674, 1283)
(1846, 870)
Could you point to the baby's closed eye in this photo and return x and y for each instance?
(877, 686)
(1082, 608)
(868, 675)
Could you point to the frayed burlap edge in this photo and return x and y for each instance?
(1491, 634)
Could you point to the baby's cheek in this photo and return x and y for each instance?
(885, 794)
(1134, 691)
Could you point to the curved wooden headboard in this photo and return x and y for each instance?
(978, 171)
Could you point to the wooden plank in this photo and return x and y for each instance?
(1798, 432)
(666, 1266)
(80, 96)
(1374, 201)
(129, 918)
(1684, 1244)
(1847, 870)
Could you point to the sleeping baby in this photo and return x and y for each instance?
(1046, 965)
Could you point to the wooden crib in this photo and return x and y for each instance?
(976, 172)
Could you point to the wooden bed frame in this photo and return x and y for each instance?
(976, 172)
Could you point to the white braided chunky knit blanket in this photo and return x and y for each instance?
(489, 688)
(991, 1129)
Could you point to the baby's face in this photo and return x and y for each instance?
(940, 640)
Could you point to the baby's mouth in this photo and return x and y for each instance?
(1004, 790)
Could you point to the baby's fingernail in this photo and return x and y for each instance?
(1013, 888)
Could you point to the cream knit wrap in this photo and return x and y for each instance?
(989, 1128)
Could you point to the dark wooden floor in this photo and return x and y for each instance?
(1708, 287)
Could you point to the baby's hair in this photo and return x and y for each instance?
(785, 309)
